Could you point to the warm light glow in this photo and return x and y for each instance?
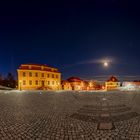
(32, 77)
(106, 64)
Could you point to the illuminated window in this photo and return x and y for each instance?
(24, 82)
(30, 74)
(36, 74)
(36, 82)
(52, 82)
(24, 74)
(48, 82)
(42, 74)
(30, 82)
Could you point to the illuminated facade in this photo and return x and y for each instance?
(75, 83)
(66, 85)
(112, 83)
(38, 77)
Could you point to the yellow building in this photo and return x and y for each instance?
(112, 83)
(75, 83)
(38, 77)
(66, 85)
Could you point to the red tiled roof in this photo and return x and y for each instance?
(37, 67)
(64, 81)
(112, 79)
(85, 82)
(74, 79)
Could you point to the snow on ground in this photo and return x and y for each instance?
(5, 88)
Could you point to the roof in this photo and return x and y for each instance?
(39, 67)
(36, 64)
(64, 81)
(74, 79)
(112, 79)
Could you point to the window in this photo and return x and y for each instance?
(24, 74)
(24, 82)
(36, 82)
(52, 75)
(52, 82)
(42, 74)
(30, 74)
(57, 83)
(48, 82)
(48, 75)
(43, 83)
(56, 76)
(30, 82)
(36, 74)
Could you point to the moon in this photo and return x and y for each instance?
(105, 64)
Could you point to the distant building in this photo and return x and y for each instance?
(131, 85)
(66, 85)
(75, 83)
(38, 77)
(112, 83)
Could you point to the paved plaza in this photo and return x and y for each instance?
(41, 115)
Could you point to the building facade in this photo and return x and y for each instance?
(66, 85)
(131, 85)
(112, 83)
(75, 83)
(38, 77)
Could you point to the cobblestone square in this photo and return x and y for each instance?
(44, 115)
(105, 126)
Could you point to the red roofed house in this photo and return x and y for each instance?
(112, 83)
(34, 76)
(75, 83)
(66, 85)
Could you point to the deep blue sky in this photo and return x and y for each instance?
(63, 34)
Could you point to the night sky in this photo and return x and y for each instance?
(72, 36)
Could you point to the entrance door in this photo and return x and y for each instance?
(73, 88)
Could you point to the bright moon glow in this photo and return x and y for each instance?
(106, 64)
